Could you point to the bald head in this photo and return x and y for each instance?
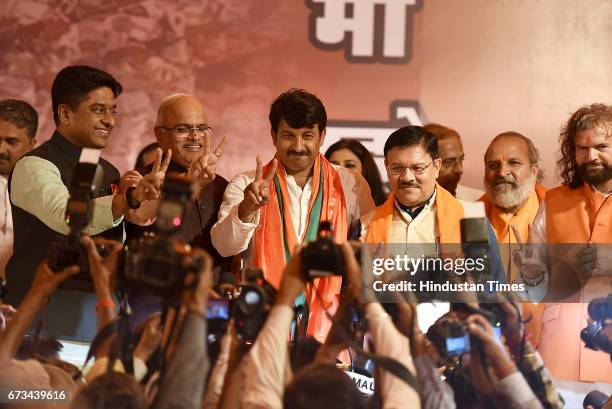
(181, 126)
(173, 103)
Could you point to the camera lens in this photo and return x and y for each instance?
(251, 297)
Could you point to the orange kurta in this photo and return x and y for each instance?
(449, 213)
(501, 222)
(575, 216)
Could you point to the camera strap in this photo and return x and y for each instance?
(388, 364)
(396, 368)
(122, 347)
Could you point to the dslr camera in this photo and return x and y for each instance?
(594, 336)
(250, 308)
(67, 250)
(156, 260)
(451, 338)
(323, 257)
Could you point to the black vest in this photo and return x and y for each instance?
(31, 236)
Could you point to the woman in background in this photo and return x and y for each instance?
(352, 155)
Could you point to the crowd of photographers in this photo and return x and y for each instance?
(167, 363)
(304, 329)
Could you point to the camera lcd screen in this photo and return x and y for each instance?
(218, 309)
(458, 345)
(498, 333)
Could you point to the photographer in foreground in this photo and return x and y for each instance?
(321, 384)
(181, 381)
(31, 373)
(487, 367)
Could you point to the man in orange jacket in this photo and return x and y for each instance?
(512, 199)
(578, 211)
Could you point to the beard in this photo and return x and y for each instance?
(508, 194)
(595, 177)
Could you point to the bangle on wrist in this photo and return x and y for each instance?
(533, 282)
(106, 303)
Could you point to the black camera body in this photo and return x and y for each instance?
(593, 336)
(323, 257)
(156, 260)
(67, 250)
(158, 264)
(250, 308)
(451, 338)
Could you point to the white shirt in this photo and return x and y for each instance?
(232, 236)
(6, 225)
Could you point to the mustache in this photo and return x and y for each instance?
(5, 156)
(408, 185)
(305, 152)
(501, 181)
(596, 163)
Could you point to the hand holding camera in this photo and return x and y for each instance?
(480, 328)
(46, 281)
(196, 296)
(103, 268)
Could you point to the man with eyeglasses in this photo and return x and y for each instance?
(184, 136)
(419, 210)
(451, 153)
(84, 104)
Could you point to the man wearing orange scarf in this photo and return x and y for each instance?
(267, 213)
(578, 211)
(419, 210)
(512, 198)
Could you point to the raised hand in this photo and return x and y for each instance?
(526, 257)
(103, 270)
(257, 193)
(149, 187)
(204, 168)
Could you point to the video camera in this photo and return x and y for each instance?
(594, 336)
(67, 250)
(156, 260)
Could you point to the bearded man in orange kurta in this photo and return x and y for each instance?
(578, 211)
(512, 199)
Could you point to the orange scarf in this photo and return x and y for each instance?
(275, 231)
(500, 221)
(449, 212)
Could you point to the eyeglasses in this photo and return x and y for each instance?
(183, 130)
(416, 170)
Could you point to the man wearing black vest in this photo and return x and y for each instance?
(84, 102)
(184, 133)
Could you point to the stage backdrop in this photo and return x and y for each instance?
(480, 66)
